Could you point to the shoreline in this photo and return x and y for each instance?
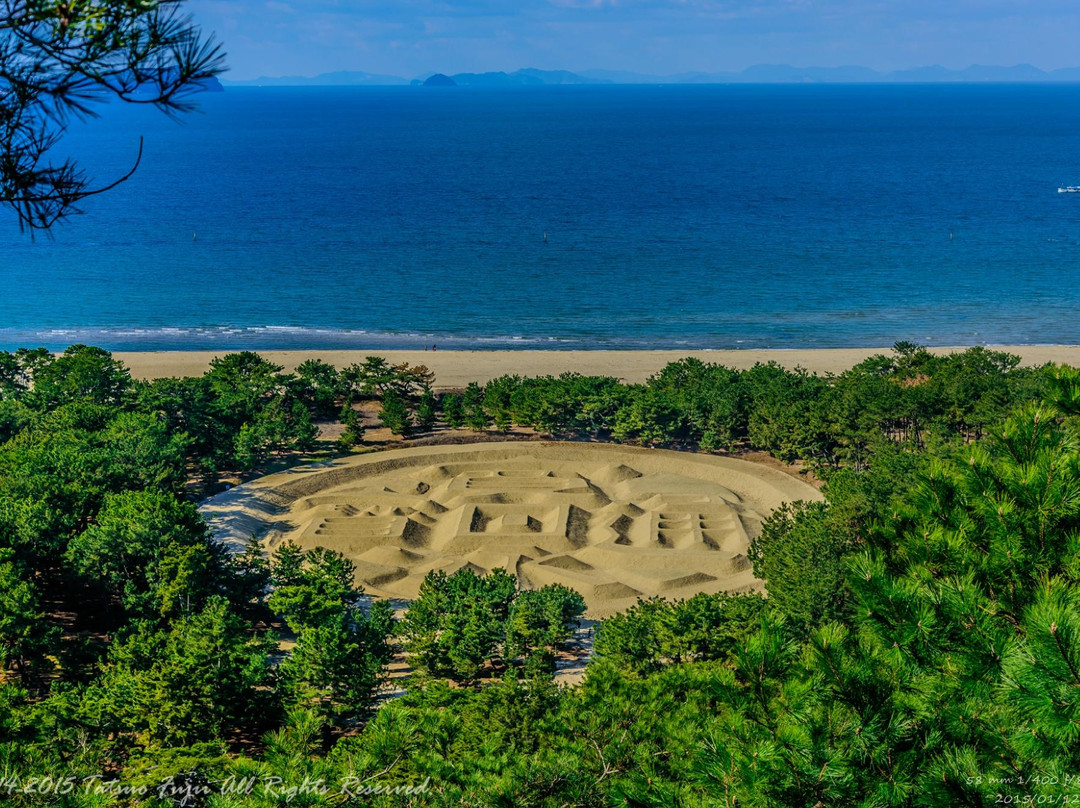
(457, 368)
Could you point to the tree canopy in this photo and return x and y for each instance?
(918, 645)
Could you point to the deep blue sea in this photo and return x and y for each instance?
(567, 217)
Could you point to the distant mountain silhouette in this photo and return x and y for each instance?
(439, 80)
(150, 89)
(849, 74)
(211, 85)
(757, 74)
(529, 77)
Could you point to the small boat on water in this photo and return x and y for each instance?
(1069, 189)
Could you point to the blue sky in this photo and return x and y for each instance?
(415, 37)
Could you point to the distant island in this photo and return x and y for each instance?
(758, 74)
(439, 80)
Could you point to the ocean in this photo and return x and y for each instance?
(566, 217)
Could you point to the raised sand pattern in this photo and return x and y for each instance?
(615, 523)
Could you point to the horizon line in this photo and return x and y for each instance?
(763, 73)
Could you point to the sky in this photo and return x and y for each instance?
(412, 38)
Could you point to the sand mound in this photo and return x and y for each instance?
(613, 522)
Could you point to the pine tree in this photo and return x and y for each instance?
(354, 428)
(395, 414)
(25, 637)
(472, 403)
(426, 411)
(453, 410)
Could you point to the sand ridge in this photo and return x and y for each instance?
(615, 523)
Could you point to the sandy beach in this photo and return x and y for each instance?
(458, 368)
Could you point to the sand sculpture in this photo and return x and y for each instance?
(615, 523)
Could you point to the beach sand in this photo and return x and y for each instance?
(458, 368)
(613, 522)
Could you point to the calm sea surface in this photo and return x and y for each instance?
(606, 217)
